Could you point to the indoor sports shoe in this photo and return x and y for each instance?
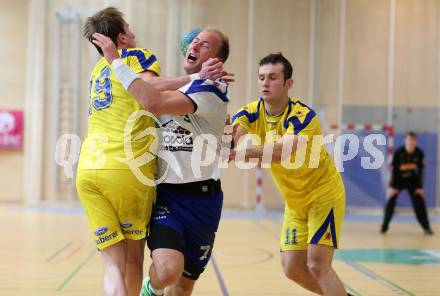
(428, 231)
(383, 229)
(145, 290)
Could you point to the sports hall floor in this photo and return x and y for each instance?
(48, 251)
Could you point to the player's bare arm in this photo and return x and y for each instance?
(153, 100)
(211, 69)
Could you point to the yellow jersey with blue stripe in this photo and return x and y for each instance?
(110, 108)
(317, 176)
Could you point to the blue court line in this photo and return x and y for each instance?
(278, 215)
(243, 215)
(219, 277)
(406, 218)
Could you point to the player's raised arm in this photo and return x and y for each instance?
(211, 69)
(153, 100)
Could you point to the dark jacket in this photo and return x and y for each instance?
(408, 168)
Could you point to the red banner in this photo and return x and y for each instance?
(11, 130)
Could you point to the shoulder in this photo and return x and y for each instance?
(253, 106)
(299, 114)
(207, 88)
(251, 111)
(99, 67)
(139, 57)
(136, 51)
(140, 60)
(298, 108)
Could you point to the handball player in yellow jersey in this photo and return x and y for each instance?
(313, 191)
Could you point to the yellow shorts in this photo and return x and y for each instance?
(117, 205)
(317, 223)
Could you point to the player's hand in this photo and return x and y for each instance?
(212, 69)
(227, 77)
(393, 191)
(230, 129)
(229, 132)
(108, 47)
(420, 192)
(228, 122)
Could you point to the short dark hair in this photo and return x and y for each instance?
(108, 22)
(223, 52)
(411, 134)
(275, 58)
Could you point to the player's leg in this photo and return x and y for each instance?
(114, 259)
(389, 209)
(319, 262)
(132, 202)
(105, 230)
(201, 212)
(166, 269)
(198, 248)
(420, 210)
(324, 224)
(295, 268)
(166, 244)
(134, 267)
(293, 243)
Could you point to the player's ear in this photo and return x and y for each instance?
(289, 83)
(122, 39)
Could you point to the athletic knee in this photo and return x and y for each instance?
(294, 272)
(318, 269)
(167, 273)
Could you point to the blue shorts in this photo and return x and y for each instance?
(187, 222)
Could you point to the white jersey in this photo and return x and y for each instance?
(189, 145)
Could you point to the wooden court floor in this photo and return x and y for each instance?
(47, 251)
